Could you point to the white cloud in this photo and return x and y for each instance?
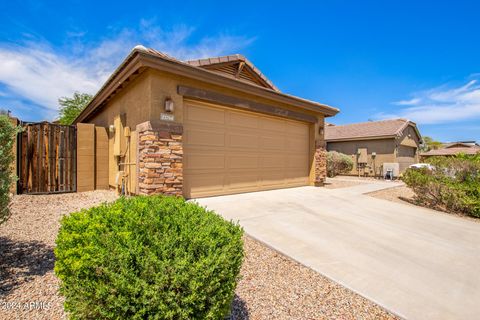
(444, 104)
(36, 72)
(410, 102)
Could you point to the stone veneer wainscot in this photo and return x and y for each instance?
(160, 155)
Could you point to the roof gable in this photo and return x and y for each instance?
(141, 59)
(369, 130)
(237, 67)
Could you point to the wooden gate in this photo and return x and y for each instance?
(47, 158)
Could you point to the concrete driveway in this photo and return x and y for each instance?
(416, 263)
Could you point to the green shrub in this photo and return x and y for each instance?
(148, 258)
(454, 184)
(7, 138)
(338, 163)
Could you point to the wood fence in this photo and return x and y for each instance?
(47, 158)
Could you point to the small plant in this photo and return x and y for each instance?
(8, 134)
(453, 185)
(338, 163)
(148, 258)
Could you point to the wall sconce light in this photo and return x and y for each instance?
(374, 154)
(169, 105)
(111, 129)
(320, 131)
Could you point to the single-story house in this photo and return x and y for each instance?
(202, 128)
(453, 148)
(373, 143)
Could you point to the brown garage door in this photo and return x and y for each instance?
(406, 157)
(229, 151)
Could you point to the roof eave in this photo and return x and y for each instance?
(140, 58)
(361, 138)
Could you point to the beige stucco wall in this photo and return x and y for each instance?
(384, 148)
(134, 102)
(387, 150)
(143, 100)
(407, 146)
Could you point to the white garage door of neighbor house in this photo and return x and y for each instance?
(229, 151)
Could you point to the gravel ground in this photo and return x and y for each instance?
(405, 195)
(337, 184)
(402, 194)
(28, 286)
(347, 181)
(272, 285)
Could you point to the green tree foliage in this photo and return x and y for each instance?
(70, 108)
(430, 144)
(454, 184)
(7, 139)
(338, 163)
(148, 258)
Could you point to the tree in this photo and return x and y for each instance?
(430, 144)
(70, 108)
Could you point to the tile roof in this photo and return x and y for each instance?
(452, 151)
(133, 64)
(207, 62)
(371, 129)
(232, 58)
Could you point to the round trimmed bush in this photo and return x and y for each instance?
(338, 163)
(148, 257)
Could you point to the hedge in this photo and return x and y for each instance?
(7, 139)
(453, 185)
(338, 163)
(148, 257)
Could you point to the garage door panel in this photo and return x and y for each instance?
(243, 120)
(231, 151)
(207, 138)
(242, 140)
(298, 129)
(203, 185)
(297, 144)
(198, 114)
(271, 179)
(242, 161)
(205, 161)
(297, 161)
(271, 124)
(272, 142)
(296, 175)
(242, 181)
(277, 161)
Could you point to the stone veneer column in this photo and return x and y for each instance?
(159, 158)
(320, 163)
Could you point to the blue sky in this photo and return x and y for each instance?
(372, 59)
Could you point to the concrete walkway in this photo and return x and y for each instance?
(416, 263)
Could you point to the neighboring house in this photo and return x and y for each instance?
(203, 128)
(453, 148)
(373, 143)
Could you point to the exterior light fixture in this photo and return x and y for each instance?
(374, 154)
(111, 129)
(169, 105)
